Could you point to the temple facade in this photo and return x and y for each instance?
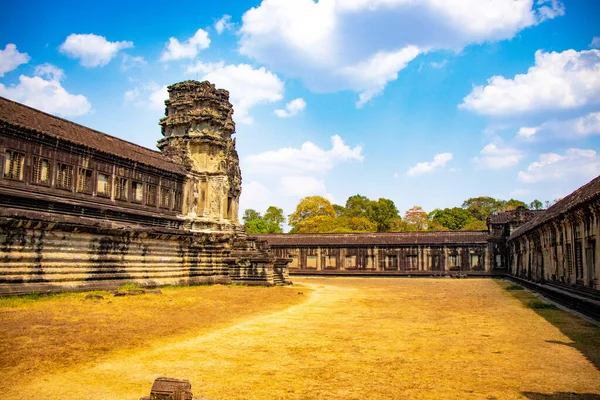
(554, 247)
(558, 246)
(80, 209)
(396, 253)
(84, 210)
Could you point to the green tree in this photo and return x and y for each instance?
(452, 218)
(536, 205)
(382, 212)
(256, 226)
(513, 204)
(311, 206)
(475, 225)
(250, 215)
(482, 207)
(357, 206)
(358, 224)
(339, 210)
(274, 219)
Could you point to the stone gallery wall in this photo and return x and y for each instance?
(559, 246)
(43, 256)
(390, 253)
(83, 210)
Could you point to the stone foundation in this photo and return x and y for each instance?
(41, 256)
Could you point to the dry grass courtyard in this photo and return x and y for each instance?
(323, 338)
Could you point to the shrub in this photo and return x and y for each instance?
(538, 304)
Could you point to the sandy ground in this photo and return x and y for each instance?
(353, 338)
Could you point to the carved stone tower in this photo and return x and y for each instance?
(197, 130)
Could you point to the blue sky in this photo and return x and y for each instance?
(426, 103)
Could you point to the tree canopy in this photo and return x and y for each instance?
(316, 214)
(482, 207)
(271, 222)
(452, 218)
(311, 206)
(383, 213)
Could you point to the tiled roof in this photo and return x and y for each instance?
(365, 239)
(586, 193)
(22, 116)
(513, 215)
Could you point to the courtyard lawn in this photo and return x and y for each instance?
(324, 338)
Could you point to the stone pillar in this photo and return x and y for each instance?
(198, 129)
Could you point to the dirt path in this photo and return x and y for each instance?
(355, 339)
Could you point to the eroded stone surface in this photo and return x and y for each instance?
(197, 130)
(122, 213)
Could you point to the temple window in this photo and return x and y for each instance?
(13, 165)
(391, 261)
(164, 197)
(137, 189)
(41, 171)
(121, 189)
(84, 181)
(103, 185)
(151, 195)
(64, 176)
(590, 255)
(453, 261)
(412, 261)
(350, 261)
(474, 261)
(177, 205)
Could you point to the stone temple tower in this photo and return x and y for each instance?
(197, 130)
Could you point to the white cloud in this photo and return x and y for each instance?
(92, 50)
(150, 95)
(47, 95)
(557, 81)
(248, 87)
(223, 24)
(158, 97)
(586, 125)
(292, 108)
(174, 50)
(438, 65)
(50, 71)
(438, 163)
(128, 62)
(309, 158)
(302, 186)
(10, 58)
(527, 132)
(256, 196)
(328, 43)
(370, 77)
(550, 9)
(595, 44)
(131, 95)
(495, 157)
(554, 167)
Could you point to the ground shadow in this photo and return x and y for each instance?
(560, 396)
(584, 335)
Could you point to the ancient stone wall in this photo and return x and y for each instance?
(401, 253)
(82, 210)
(562, 250)
(41, 256)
